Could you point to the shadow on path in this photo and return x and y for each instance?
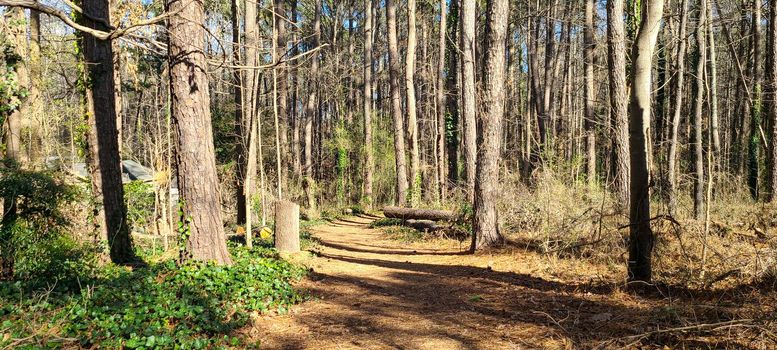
(373, 294)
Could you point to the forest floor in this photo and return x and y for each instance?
(372, 292)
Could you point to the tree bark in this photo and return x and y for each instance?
(590, 94)
(250, 176)
(277, 55)
(296, 149)
(698, 105)
(195, 156)
(110, 216)
(396, 101)
(486, 223)
(286, 226)
(772, 97)
(659, 107)
(640, 234)
(311, 109)
(440, 97)
(677, 111)
(468, 93)
(412, 119)
(452, 95)
(279, 9)
(756, 106)
(713, 82)
(237, 80)
(616, 36)
(548, 73)
(34, 99)
(13, 138)
(350, 98)
(369, 162)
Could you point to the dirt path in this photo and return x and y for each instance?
(373, 293)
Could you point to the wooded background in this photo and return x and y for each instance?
(442, 104)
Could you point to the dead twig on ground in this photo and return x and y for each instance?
(634, 339)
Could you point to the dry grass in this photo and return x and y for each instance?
(564, 220)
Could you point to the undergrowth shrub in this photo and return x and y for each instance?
(193, 306)
(564, 217)
(139, 197)
(36, 238)
(403, 234)
(384, 222)
(554, 216)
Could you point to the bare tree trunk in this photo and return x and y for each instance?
(16, 32)
(117, 64)
(310, 114)
(396, 101)
(617, 65)
(251, 123)
(659, 107)
(350, 98)
(452, 95)
(713, 83)
(590, 94)
(754, 138)
(34, 100)
(296, 149)
(278, 28)
(557, 82)
(237, 80)
(548, 75)
(677, 110)
(259, 149)
(698, 105)
(468, 91)
(530, 105)
(195, 158)
(640, 234)
(254, 138)
(102, 138)
(539, 106)
(486, 221)
(441, 175)
(280, 21)
(412, 127)
(771, 95)
(369, 162)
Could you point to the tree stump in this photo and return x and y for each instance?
(286, 226)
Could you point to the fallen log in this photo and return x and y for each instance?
(418, 214)
(423, 225)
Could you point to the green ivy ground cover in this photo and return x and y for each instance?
(165, 306)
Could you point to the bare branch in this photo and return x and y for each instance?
(64, 17)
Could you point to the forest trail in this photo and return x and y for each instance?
(370, 292)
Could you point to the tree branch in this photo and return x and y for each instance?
(64, 17)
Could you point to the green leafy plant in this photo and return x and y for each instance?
(191, 306)
(139, 197)
(34, 236)
(384, 222)
(403, 234)
(11, 92)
